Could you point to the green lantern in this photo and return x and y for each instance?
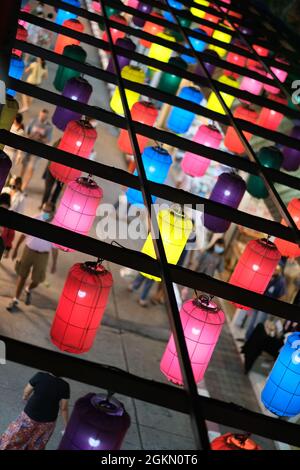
(63, 73)
(170, 82)
(270, 157)
(110, 11)
(8, 114)
(185, 23)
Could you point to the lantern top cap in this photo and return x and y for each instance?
(107, 404)
(267, 243)
(204, 301)
(94, 267)
(87, 181)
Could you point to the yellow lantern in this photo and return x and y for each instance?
(196, 11)
(159, 52)
(175, 229)
(221, 36)
(213, 102)
(134, 74)
(8, 114)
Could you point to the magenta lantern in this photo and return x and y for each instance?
(193, 164)
(251, 84)
(228, 190)
(202, 322)
(280, 74)
(255, 267)
(78, 207)
(97, 423)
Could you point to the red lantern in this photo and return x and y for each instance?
(289, 249)
(115, 33)
(81, 307)
(261, 51)
(231, 441)
(236, 59)
(202, 321)
(63, 41)
(78, 207)
(269, 118)
(213, 19)
(79, 139)
(151, 28)
(145, 113)
(21, 36)
(255, 267)
(232, 140)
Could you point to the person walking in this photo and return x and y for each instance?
(34, 260)
(40, 129)
(6, 234)
(45, 395)
(17, 196)
(17, 128)
(37, 71)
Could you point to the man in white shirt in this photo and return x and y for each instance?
(34, 259)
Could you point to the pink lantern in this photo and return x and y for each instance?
(202, 322)
(78, 207)
(251, 84)
(132, 3)
(280, 74)
(96, 6)
(195, 165)
(269, 118)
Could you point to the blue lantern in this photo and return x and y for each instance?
(16, 70)
(197, 44)
(173, 4)
(179, 119)
(157, 162)
(281, 394)
(63, 15)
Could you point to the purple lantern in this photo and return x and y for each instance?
(140, 22)
(77, 89)
(228, 190)
(97, 422)
(5, 166)
(126, 43)
(291, 157)
(210, 67)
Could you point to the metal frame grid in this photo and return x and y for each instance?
(187, 400)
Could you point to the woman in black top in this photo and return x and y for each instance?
(45, 395)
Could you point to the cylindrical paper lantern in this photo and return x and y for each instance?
(255, 267)
(231, 441)
(270, 157)
(236, 59)
(174, 4)
(151, 28)
(16, 70)
(77, 89)
(175, 229)
(8, 113)
(63, 15)
(63, 73)
(179, 119)
(78, 207)
(81, 307)
(198, 12)
(280, 74)
(291, 157)
(157, 162)
(213, 102)
(185, 23)
(209, 66)
(195, 165)
(21, 36)
(126, 43)
(132, 3)
(202, 322)
(251, 84)
(262, 51)
(96, 423)
(63, 41)
(5, 166)
(281, 391)
(221, 36)
(144, 8)
(79, 139)
(213, 19)
(270, 118)
(115, 33)
(232, 140)
(228, 190)
(170, 82)
(197, 44)
(145, 113)
(134, 74)
(289, 249)
(159, 52)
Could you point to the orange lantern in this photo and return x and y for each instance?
(63, 41)
(151, 28)
(231, 441)
(289, 249)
